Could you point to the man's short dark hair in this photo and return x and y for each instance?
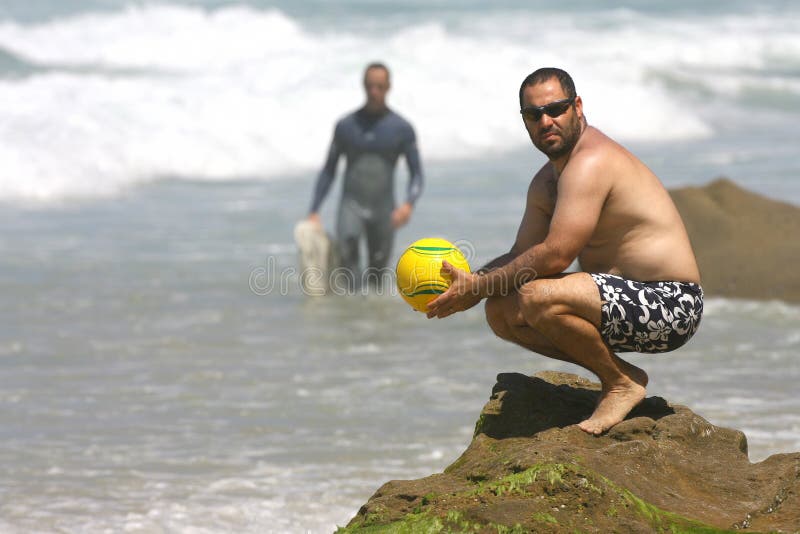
(547, 73)
(377, 65)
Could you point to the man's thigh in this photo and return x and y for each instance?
(349, 222)
(569, 293)
(380, 238)
(506, 320)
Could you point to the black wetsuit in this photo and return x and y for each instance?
(371, 144)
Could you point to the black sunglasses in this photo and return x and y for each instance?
(553, 109)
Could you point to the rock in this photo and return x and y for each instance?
(530, 469)
(746, 245)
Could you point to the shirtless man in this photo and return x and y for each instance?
(638, 289)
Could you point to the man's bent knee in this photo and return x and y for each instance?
(495, 316)
(538, 300)
(500, 314)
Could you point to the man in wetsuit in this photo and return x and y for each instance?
(595, 201)
(371, 138)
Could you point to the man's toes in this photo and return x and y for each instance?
(590, 427)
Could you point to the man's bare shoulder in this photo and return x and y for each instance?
(596, 148)
(594, 139)
(599, 159)
(590, 163)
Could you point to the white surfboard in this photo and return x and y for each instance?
(316, 259)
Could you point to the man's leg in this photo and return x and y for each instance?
(349, 228)
(380, 238)
(507, 322)
(561, 319)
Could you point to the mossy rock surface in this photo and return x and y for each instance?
(530, 469)
(547, 497)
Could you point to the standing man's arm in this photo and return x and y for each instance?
(326, 176)
(402, 213)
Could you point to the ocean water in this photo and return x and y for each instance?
(160, 369)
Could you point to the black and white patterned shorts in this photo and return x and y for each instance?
(648, 316)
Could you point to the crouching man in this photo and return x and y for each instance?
(639, 285)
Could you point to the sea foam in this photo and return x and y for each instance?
(111, 100)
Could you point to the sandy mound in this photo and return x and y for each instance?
(747, 245)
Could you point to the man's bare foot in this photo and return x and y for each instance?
(616, 401)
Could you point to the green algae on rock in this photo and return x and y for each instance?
(530, 469)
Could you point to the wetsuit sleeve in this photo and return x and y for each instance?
(328, 172)
(411, 154)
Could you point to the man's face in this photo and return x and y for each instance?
(376, 85)
(554, 136)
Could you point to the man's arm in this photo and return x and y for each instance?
(463, 292)
(581, 194)
(535, 220)
(326, 175)
(497, 262)
(415, 180)
(402, 213)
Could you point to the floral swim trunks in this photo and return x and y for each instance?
(648, 316)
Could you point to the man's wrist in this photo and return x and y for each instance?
(481, 287)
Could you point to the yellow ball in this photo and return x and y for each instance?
(419, 270)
